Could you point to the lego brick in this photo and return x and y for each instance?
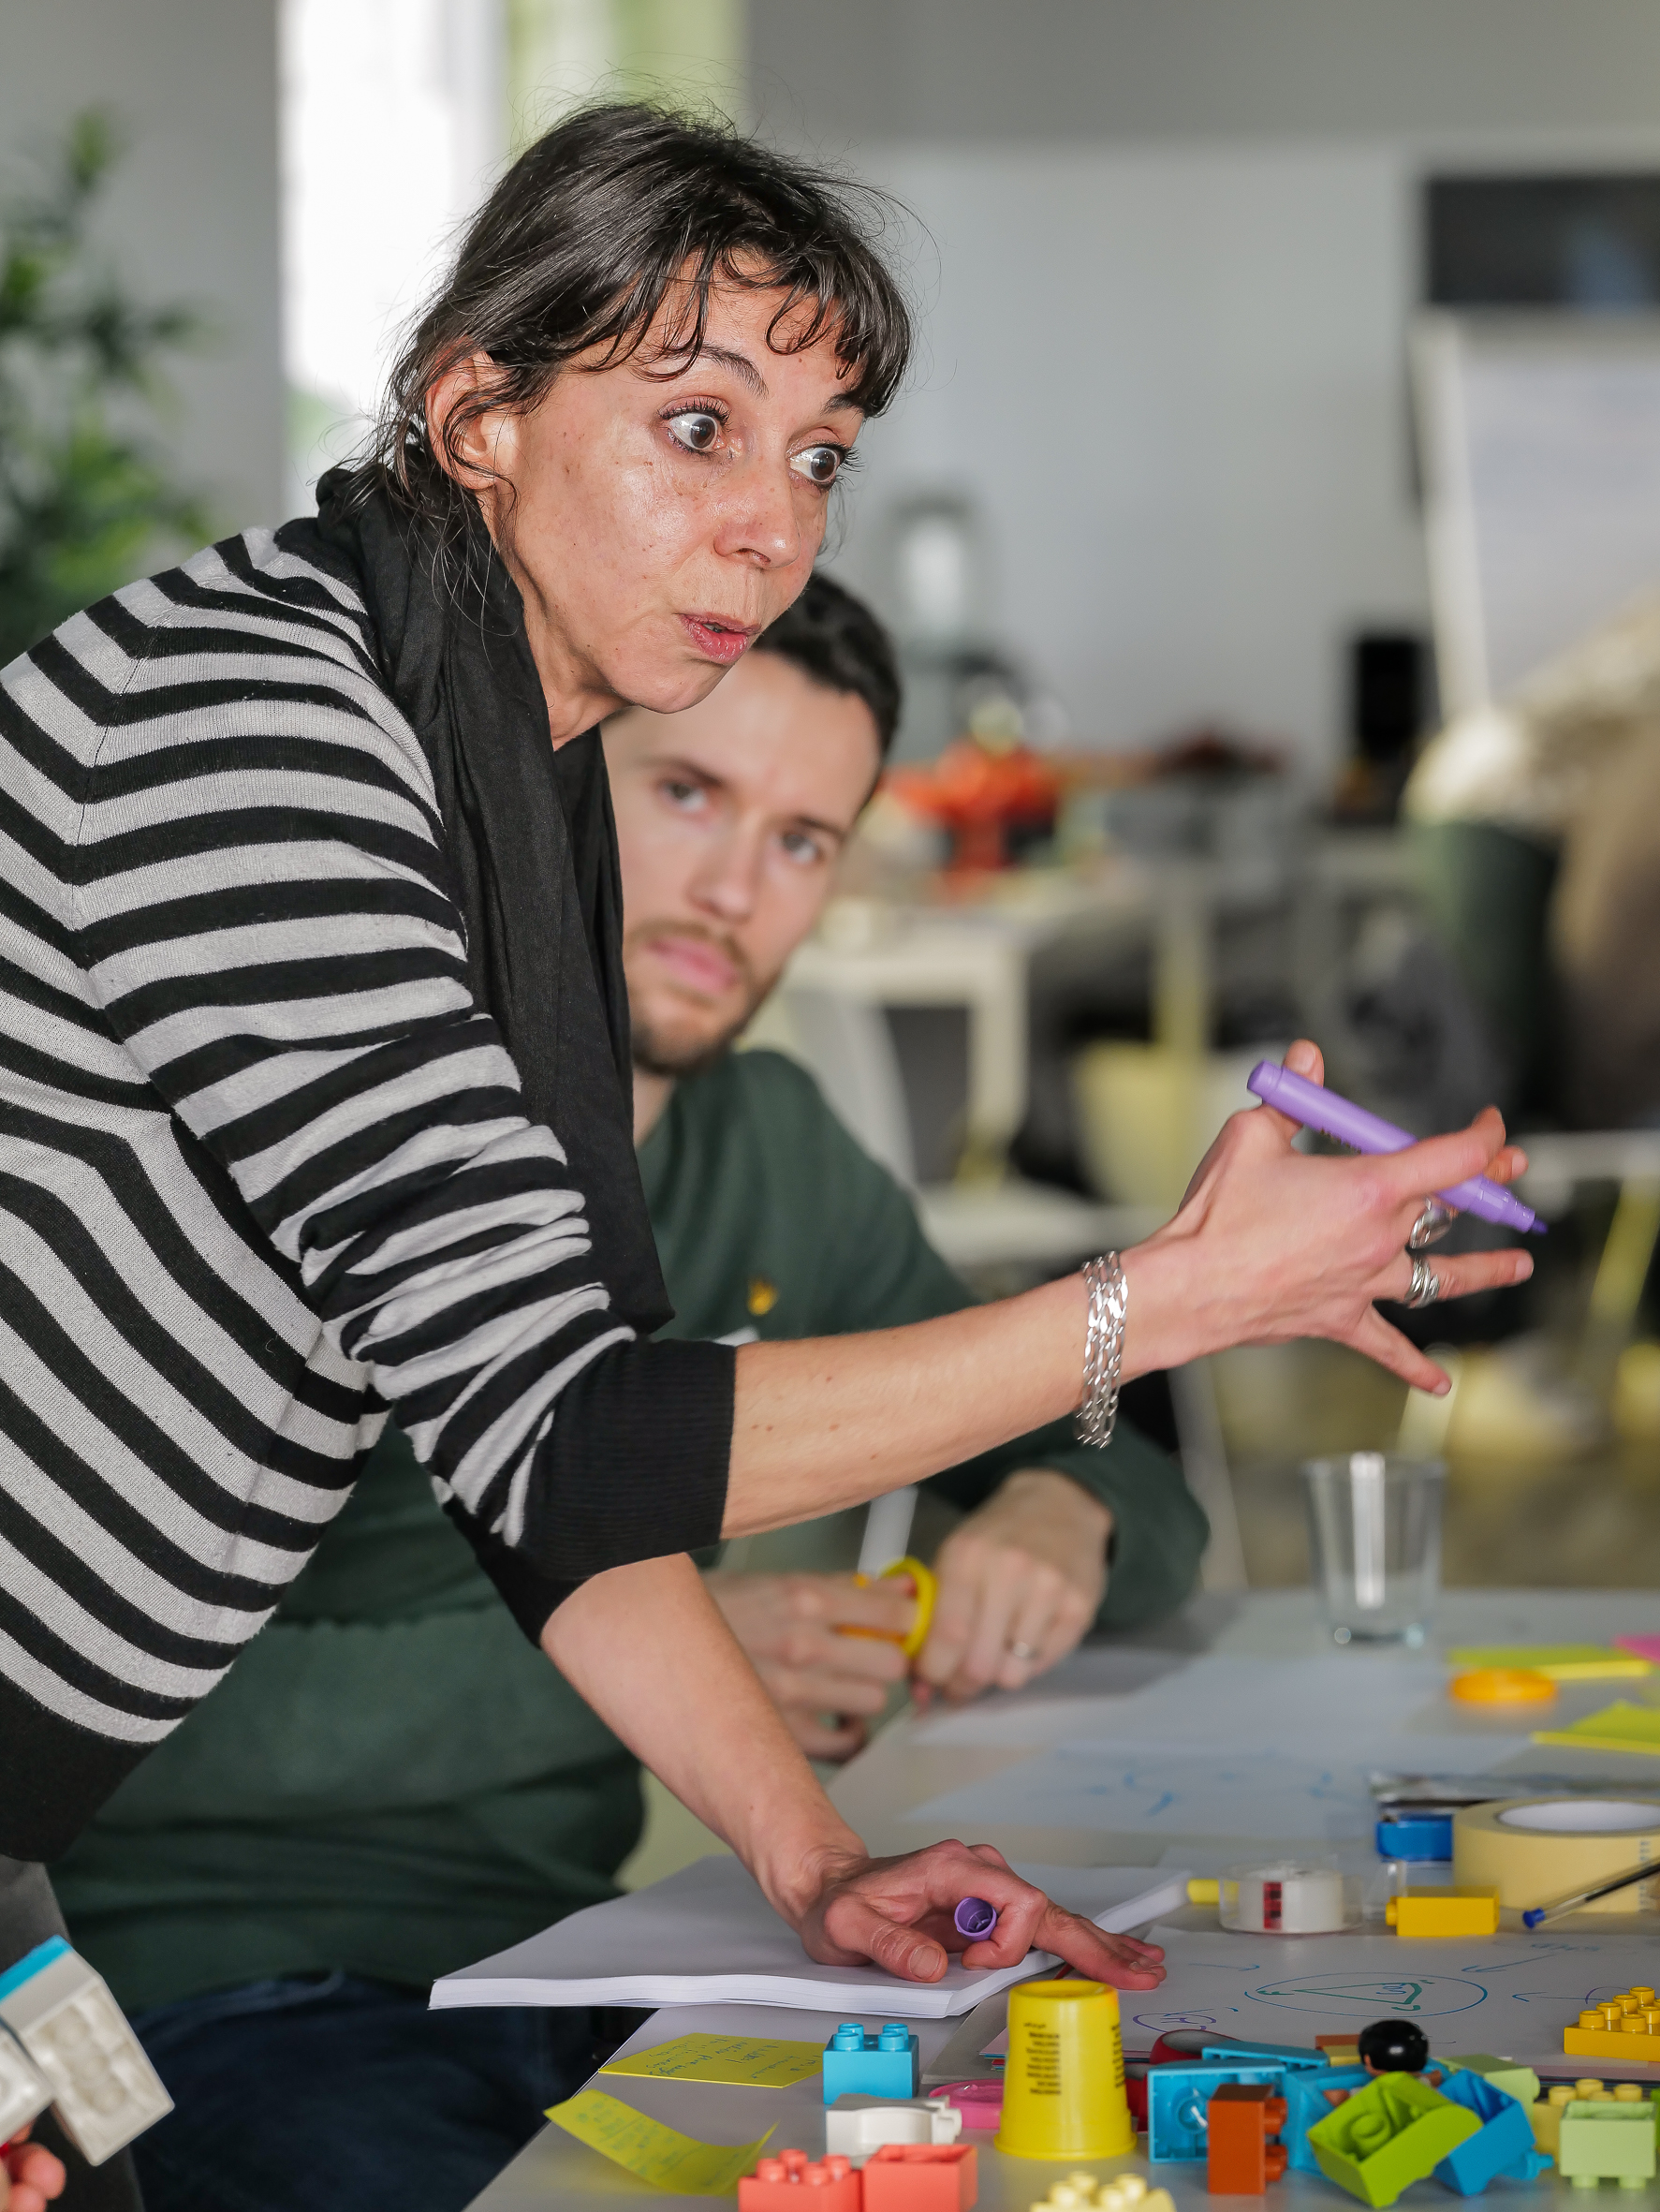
(1286, 2055)
(1504, 2144)
(1606, 2142)
(105, 2090)
(857, 2125)
(920, 2178)
(1520, 2082)
(979, 2102)
(1417, 1837)
(25, 2090)
(1112, 2192)
(1625, 2028)
(1177, 2097)
(870, 2062)
(781, 2185)
(1309, 2098)
(1444, 1912)
(1597, 2043)
(1389, 2135)
(1241, 2156)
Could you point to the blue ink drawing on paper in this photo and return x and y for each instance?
(1407, 1996)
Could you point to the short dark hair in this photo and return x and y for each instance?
(579, 245)
(836, 640)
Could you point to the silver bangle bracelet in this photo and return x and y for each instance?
(1103, 1351)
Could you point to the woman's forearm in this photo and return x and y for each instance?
(835, 1421)
(648, 1648)
(1268, 1244)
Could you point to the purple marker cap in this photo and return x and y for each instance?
(974, 1917)
(1317, 1107)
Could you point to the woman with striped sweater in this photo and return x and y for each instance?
(314, 1067)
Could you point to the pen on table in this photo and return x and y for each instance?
(1317, 1107)
(1540, 1914)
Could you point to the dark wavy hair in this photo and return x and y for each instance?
(580, 247)
(836, 640)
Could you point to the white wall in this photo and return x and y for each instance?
(193, 214)
(1165, 332)
(1172, 380)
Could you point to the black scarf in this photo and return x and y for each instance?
(532, 846)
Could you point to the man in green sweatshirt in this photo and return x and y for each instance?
(392, 1781)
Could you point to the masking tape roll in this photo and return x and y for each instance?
(1534, 1849)
(1287, 1900)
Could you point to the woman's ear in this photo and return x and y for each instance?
(463, 425)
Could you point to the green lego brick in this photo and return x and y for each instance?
(1520, 2082)
(1383, 2138)
(1607, 2143)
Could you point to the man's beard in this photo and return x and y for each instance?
(658, 1050)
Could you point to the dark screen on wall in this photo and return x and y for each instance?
(1588, 244)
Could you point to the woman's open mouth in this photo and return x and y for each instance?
(716, 639)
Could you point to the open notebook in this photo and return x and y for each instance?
(707, 1936)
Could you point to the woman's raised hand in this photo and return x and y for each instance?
(1272, 1244)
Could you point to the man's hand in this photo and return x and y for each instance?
(897, 1913)
(1025, 1574)
(30, 2177)
(825, 1683)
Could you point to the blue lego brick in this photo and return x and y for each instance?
(1241, 2053)
(1176, 2101)
(867, 2062)
(1305, 2098)
(1504, 2144)
(1418, 1837)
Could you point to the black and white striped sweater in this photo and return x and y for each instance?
(265, 1173)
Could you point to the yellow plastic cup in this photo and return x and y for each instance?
(1062, 2086)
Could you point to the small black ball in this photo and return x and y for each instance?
(1394, 2046)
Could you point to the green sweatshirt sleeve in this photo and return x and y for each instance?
(873, 1268)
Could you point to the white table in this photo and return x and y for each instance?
(897, 1773)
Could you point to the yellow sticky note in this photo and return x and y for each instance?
(658, 2154)
(739, 2061)
(1619, 1727)
(1562, 1662)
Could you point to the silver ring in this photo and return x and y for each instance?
(1431, 1226)
(1426, 1287)
(1023, 1651)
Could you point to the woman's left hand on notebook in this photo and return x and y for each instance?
(897, 1914)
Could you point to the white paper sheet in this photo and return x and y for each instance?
(1513, 1995)
(707, 1936)
(1143, 1789)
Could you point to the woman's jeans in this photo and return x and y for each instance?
(306, 2094)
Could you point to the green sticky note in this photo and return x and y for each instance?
(738, 2061)
(1619, 1727)
(645, 2147)
(1562, 1662)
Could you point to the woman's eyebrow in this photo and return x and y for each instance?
(740, 364)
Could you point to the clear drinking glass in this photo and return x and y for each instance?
(1374, 1543)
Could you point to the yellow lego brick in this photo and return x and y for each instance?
(1444, 1912)
(1602, 2042)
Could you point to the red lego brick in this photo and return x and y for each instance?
(919, 2178)
(792, 2182)
(1240, 2157)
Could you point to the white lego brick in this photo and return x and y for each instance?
(856, 2126)
(25, 2091)
(104, 2089)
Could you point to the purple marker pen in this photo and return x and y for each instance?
(974, 1917)
(1333, 1116)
